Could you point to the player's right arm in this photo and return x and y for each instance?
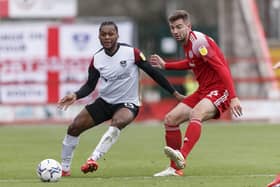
(85, 90)
(158, 62)
(277, 65)
(89, 86)
(209, 54)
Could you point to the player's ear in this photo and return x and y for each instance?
(189, 25)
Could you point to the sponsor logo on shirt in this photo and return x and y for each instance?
(116, 77)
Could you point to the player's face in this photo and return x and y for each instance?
(108, 37)
(180, 29)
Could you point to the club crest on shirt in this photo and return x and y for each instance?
(203, 50)
(123, 63)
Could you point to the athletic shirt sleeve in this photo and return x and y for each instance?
(89, 86)
(209, 52)
(177, 65)
(155, 74)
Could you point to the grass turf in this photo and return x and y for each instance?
(232, 155)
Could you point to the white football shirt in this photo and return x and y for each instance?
(119, 75)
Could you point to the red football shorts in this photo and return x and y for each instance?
(219, 97)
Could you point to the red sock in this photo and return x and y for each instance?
(173, 139)
(191, 137)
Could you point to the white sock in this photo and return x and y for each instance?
(106, 142)
(68, 145)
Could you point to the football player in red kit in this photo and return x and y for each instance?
(276, 181)
(214, 95)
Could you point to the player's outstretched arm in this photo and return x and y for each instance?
(157, 76)
(157, 61)
(277, 65)
(178, 96)
(66, 101)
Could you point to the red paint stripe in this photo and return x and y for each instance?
(53, 86)
(53, 76)
(4, 8)
(53, 42)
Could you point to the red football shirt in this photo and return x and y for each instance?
(205, 59)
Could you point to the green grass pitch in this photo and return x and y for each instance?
(227, 155)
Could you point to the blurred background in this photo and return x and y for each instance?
(46, 47)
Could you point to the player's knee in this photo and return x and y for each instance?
(76, 127)
(73, 130)
(169, 119)
(119, 123)
(195, 114)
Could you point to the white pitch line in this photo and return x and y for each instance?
(142, 177)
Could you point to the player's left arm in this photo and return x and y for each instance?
(155, 74)
(223, 72)
(206, 49)
(212, 57)
(277, 65)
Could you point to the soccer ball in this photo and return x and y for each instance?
(49, 170)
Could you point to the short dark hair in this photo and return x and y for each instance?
(179, 14)
(108, 23)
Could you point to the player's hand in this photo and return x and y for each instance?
(156, 61)
(235, 107)
(66, 101)
(277, 65)
(178, 96)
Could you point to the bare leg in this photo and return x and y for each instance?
(82, 122)
(120, 119)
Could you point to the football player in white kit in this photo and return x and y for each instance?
(116, 66)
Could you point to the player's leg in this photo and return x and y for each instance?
(90, 116)
(123, 115)
(173, 137)
(172, 121)
(121, 118)
(211, 106)
(275, 182)
(82, 122)
(203, 110)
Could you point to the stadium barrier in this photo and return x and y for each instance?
(30, 90)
